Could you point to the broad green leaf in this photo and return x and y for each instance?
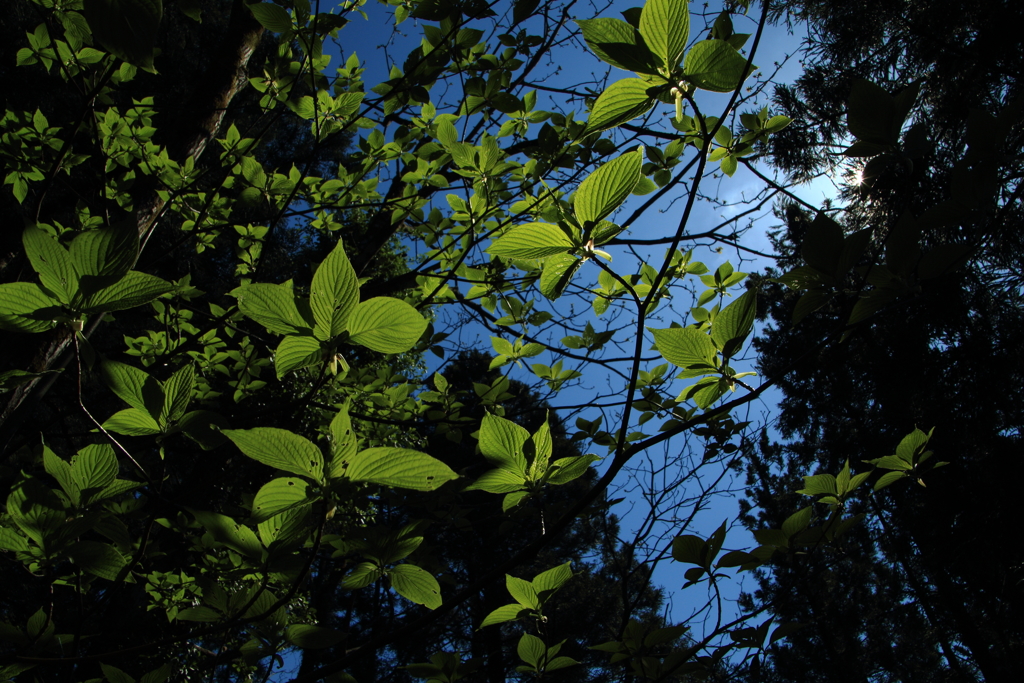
(502, 442)
(273, 17)
(542, 447)
(178, 393)
(104, 255)
(274, 307)
(36, 509)
(498, 481)
(94, 468)
(734, 323)
(134, 289)
(295, 352)
(99, 559)
(503, 614)
(362, 575)
(531, 650)
(133, 386)
(605, 189)
(281, 449)
(291, 524)
(204, 427)
(685, 347)
(309, 637)
(522, 591)
(238, 537)
(132, 422)
(553, 578)
(797, 522)
(558, 271)
(715, 65)
(279, 495)
(126, 28)
(12, 540)
(398, 467)
(415, 584)
(665, 26)
(888, 478)
(201, 613)
(617, 43)
(333, 294)
(622, 101)
(689, 549)
(530, 241)
(52, 262)
(819, 484)
(386, 325)
(871, 115)
(115, 675)
(60, 470)
(564, 470)
(513, 499)
(26, 307)
(344, 442)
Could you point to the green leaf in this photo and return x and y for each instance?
(888, 478)
(344, 442)
(734, 323)
(12, 540)
(36, 509)
(531, 650)
(99, 559)
(522, 591)
(115, 675)
(502, 442)
(498, 481)
(564, 470)
(104, 255)
(415, 584)
(281, 449)
(399, 468)
(134, 289)
(386, 325)
(126, 28)
(272, 17)
(871, 115)
(333, 294)
(689, 549)
(52, 262)
(622, 101)
(295, 352)
(291, 524)
(617, 43)
(822, 247)
(274, 307)
(362, 575)
(552, 579)
(503, 614)
(819, 484)
(557, 273)
(178, 394)
(605, 189)
(715, 65)
(309, 637)
(665, 26)
(685, 347)
(134, 387)
(132, 422)
(279, 495)
(60, 470)
(797, 522)
(530, 241)
(236, 536)
(93, 469)
(204, 427)
(26, 307)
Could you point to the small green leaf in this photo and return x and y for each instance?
(530, 241)
(552, 579)
(333, 294)
(498, 481)
(685, 347)
(362, 575)
(569, 469)
(279, 495)
(133, 386)
(715, 65)
(532, 650)
(281, 449)
(415, 584)
(178, 393)
(620, 102)
(617, 43)
(296, 352)
(734, 323)
(386, 325)
(558, 271)
(605, 189)
(503, 614)
(344, 442)
(888, 478)
(399, 468)
(236, 536)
